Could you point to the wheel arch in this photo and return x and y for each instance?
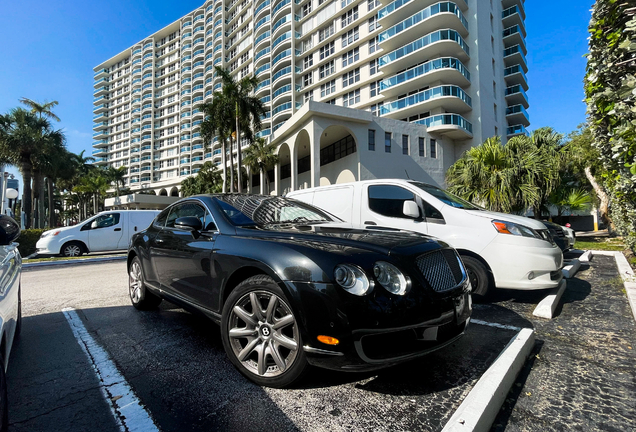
(242, 273)
(131, 255)
(79, 242)
(478, 258)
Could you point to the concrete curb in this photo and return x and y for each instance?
(28, 265)
(547, 306)
(480, 408)
(570, 270)
(586, 257)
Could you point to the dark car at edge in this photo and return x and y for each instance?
(292, 286)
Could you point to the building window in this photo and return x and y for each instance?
(433, 149)
(495, 110)
(373, 24)
(326, 69)
(374, 45)
(308, 61)
(349, 17)
(327, 50)
(351, 98)
(337, 150)
(421, 146)
(496, 131)
(371, 139)
(350, 37)
(387, 142)
(405, 144)
(306, 9)
(374, 88)
(372, 4)
(308, 96)
(331, 101)
(308, 79)
(350, 57)
(373, 67)
(375, 109)
(328, 88)
(351, 77)
(324, 33)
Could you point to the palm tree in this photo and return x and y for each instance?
(260, 156)
(42, 109)
(505, 178)
(54, 163)
(218, 122)
(22, 137)
(117, 176)
(247, 109)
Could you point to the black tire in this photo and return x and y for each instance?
(140, 297)
(72, 249)
(276, 333)
(479, 275)
(18, 321)
(4, 400)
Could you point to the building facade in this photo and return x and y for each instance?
(450, 72)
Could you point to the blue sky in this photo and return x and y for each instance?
(50, 48)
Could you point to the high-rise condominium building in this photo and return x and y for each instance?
(427, 78)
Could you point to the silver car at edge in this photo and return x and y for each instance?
(10, 303)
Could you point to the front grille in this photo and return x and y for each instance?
(441, 269)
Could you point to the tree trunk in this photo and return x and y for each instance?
(224, 163)
(26, 169)
(36, 196)
(238, 152)
(603, 198)
(262, 173)
(41, 215)
(537, 212)
(95, 203)
(51, 203)
(231, 168)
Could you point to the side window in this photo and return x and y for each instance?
(431, 212)
(174, 214)
(105, 221)
(160, 220)
(389, 200)
(193, 210)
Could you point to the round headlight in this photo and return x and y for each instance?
(352, 279)
(391, 278)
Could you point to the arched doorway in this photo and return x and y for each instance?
(284, 171)
(303, 159)
(174, 192)
(338, 155)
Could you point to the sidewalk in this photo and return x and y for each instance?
(583, 373)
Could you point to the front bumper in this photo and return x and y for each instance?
(46, 246)
(524, 263)
(364, 347)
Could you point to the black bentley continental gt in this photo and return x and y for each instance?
(293, 286)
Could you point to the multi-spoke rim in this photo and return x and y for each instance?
(135, 282)
(263, 333)
(72, 250)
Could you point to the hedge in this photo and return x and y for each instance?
(27, 240)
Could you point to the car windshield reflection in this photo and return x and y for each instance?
(250, 210)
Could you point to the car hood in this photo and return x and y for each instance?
(341, 235)
(521, 220)
(63, 229)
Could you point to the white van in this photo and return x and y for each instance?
(106, 231)
(500, 250)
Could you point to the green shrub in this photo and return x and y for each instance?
(27, 240)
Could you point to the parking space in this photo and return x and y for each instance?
(175, 364)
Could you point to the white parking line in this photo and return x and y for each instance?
(126, 408)
(497, 325)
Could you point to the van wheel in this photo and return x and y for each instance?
(72, 249)
(478, 275)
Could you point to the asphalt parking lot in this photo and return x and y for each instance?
(175, 364)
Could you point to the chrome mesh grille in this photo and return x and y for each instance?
(441, 269)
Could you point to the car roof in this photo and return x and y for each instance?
(373, 181)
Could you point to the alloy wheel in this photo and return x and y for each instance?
(263, 333)
(135, 282)
(72, 251)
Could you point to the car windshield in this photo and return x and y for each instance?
(246, 210)
(445, 197)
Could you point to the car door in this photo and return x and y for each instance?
(383, 207)
(184, 264)
(105, 232)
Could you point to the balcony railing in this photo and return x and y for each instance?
(430, 38)
(444, 7)
(446, 119)
(424, 68)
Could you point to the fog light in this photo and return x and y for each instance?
(328, 340)
(531, 275)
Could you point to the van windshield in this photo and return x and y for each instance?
(446, 197)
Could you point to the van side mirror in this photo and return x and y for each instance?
(188, 223)
(410, 209)
(9, 230)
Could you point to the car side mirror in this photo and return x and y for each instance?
(410, 209)
(9, 230)
(188, 223)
